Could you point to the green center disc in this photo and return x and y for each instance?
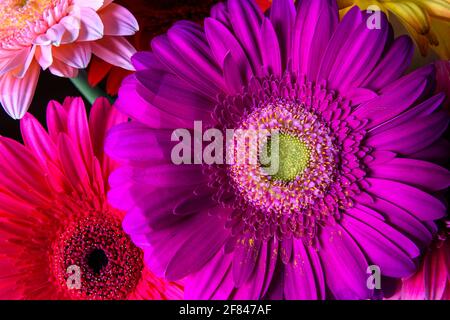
(292, 158)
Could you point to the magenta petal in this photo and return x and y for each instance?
(222, 41)
(400, 219)
(102, 118)
(195, 203)
(300, 276)
(420, 174)
(232, 75)
(56, 119)
(252, 288)
(193, 46)
(220, 13)
(78, 130)
(411, 137)
(395, 99)
(204, 283)
(392, 65)
(276, 289)
(181, 67)
(270, 49)
(136, 142)
(273, 258)
(159, 212)
(315, 23)
(348, 24)
(344, 264)
(415, 113)
(415, 201)
(21, 174)
(360, 95)
(383, 245)
(145, 60)
(164, 175)
(246, 19)
(72, 163)
(226, 289)
(438, 152)
(179, 247)
(137, 107)
(169, 93)
(286, 251)
(245, 258)
(282, 16)
(126, 196)
(198, 248)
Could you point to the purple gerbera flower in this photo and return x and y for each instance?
(357, 185)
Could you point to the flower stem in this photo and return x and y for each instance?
(88, 92)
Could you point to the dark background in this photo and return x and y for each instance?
(49, 88)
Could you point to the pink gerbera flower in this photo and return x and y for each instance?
(358, 182)
(59, 237)
(58, 35)
(432, 280)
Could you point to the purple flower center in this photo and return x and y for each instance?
(318, 152)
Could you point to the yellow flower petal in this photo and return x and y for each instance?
(411, 14)
(442, 30)
(427, 21)
(436, 8)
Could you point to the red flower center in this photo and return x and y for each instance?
(94, 259)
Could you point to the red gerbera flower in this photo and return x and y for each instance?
(264, 4)
(432, 280)
(59, 237)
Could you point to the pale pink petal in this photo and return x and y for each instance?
(93, 4)
(21, 71)
(118, 21)
(16, 94)
(72, 24)
(42, 40)
(91, 27)
(44, 56)
(55, 34)
(115, 50)
(76, 55)
(60, 69)
(11, 59)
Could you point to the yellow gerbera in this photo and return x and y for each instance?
(427, 21)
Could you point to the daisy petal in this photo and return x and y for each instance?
(118, 21)
(16, 94)
(114, 50)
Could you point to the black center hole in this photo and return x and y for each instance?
(97, 260)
